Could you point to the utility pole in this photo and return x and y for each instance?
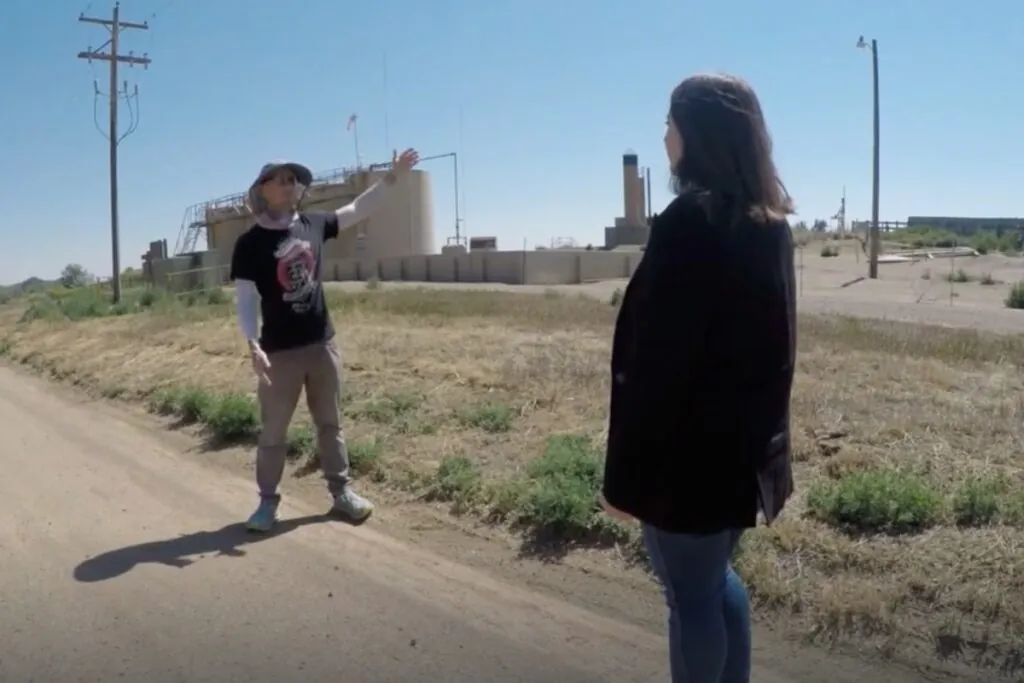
(875, 239)
(115, 26)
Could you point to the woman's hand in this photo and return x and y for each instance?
(614, 512)
(404, 162)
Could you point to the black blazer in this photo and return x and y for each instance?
(702, 368)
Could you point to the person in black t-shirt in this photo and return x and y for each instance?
(276, 267)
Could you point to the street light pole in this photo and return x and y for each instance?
(874, 238)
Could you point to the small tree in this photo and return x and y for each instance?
(74, 275)
(1015, 299)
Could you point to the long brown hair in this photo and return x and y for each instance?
(727, 151)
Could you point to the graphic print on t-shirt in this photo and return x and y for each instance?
(296, 267)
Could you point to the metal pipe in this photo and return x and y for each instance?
(455, 169)
(458, 220)
(650, 212)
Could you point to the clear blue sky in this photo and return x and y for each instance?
(551, 92)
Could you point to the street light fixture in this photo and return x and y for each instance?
(873, 241)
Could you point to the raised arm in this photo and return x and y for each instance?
(365, 204)
(369, 201)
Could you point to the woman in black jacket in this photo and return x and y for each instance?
(702, 367)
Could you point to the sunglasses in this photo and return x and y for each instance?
(281, 179)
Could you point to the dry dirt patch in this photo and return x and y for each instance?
(908, 529)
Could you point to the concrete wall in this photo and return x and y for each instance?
(621, 235)
(552, 267)
(189, 272)
(505, 267)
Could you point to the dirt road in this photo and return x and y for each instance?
(121, 561)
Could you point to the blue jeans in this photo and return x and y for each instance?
(709, 611)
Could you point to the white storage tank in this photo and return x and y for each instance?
(404, 225)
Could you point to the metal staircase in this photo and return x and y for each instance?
(193, 234)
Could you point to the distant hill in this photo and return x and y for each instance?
(30, 285)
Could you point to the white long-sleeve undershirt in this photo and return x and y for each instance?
(247, 301)
(365, 204)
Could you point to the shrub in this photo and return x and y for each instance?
(217, 296)
(504, 499)
(233, 417)
(879, 501)
(166, 401)
(301, 441)
(149, 297)
(87, 302)
(829, 251)
(490, 417)
(563, 487)
(959, 275)
(146, 298)
(1015, 299)
(457, 480)
(195, 405)
(987, 279)
(44, 308)
(977, 501)
(387, 409)
(93, 301)
(364, 457)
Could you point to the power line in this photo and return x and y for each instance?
(115, 25)
(166, 5)
(159, 11)
(129, 99)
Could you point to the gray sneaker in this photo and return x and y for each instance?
(265, 517)
(350, 504)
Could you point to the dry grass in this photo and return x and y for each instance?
(489, 377)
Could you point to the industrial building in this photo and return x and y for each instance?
(397, 242)
(633, 227)
(403, 226)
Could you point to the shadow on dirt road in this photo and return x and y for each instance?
(182, 551)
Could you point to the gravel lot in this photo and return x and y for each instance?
(910, 292)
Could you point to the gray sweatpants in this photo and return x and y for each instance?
(316, 367)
